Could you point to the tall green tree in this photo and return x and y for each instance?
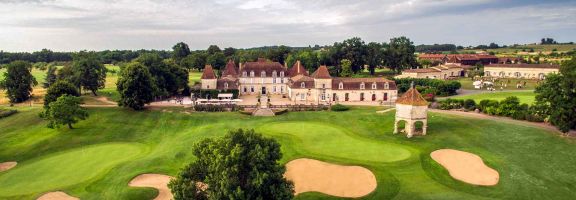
(168, 77)
(229, 52)
(18, 81)
(58, 89)
(217, 60)
(136, 86)
(196, 60)
(66, 110)
(213, 49)
(558, 95)
(346, 68)
(91, 72)
(400, 54)
(374, 55)
(180, 51)
(278, 54)
(240, 165)
(50, 77)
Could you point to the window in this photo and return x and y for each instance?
(386, 86)
(274, 80)
(385, 96)
(226, 86)
(303, 85)
(362, 86)
(274, 89)
(245, 90)
(302, 96)
(323, 85)
(274, 74)
(323, 96)
(341, 86)
(252, 89)
(244, 74)
(251, 73)
(281, 74)
(281, 89)
(281, 80)
(263, 74)
(374, 86)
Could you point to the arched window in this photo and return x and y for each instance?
(341, 86)
(386, 86)
(374, 86)
(263, 74)
(244, 74)
(303, 85)
(362, 86)
(251, 73)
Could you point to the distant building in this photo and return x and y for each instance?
(438, 72)
(461, 59)
(529, 71)
(264, 77)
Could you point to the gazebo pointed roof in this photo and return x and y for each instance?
(208, 73)
(298, 69)
(412, 97)
(230, 69)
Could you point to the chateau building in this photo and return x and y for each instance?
(296, 84)
(438, 72)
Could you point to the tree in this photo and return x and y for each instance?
(400, 54)
(559, 97)
(213, 49)
(229, 52)
(346, 68)
(196, 60)
(180, 51)
(240, 165)
(374, 55)
(18, 81)
(66, 110)
(68, 74)
(278, 54)
(217, 60)
(136, 86)
(58, 89)
(168, 77)
(91, 72)
(50, 77)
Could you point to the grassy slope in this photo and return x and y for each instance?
(525, 96)
(517, 152)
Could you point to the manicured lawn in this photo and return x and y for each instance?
(530, 84)
(525, 96)
(533, 163)
(66, 168)
(194, 77)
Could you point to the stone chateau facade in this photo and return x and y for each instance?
(296, 84)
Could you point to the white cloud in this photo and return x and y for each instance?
(133, 24)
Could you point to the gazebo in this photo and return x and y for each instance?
(411, 108)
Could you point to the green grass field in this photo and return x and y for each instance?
(98, 158)
(525, 96)
(530, 84)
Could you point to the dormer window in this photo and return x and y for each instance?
(281, 74)
(386, 86)
(251, 73)
(374, 86)
(225, 85)
(362, 86)
(244, 74)
(274, 74)
(341, 86)
(303, 85)
(263, 74)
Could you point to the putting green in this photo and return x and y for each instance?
(63, 169)
(333, 141)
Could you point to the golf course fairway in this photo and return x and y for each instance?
(62, 169)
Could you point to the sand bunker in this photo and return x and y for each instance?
(5, 166)
(466, 167)
(336, 180)
(157, 181)
(58, 195)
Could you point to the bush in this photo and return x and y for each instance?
(6, 113)
(449, 104)
(214, 108)
(340, 108)
(469, 104)
(440, 87)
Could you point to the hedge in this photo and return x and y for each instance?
(213, 94)
(509, 107)
(426, 86)
(339, 108)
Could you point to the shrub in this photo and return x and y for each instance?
(439, 87)
(449, 104)
(469, 104)
(214, 108)
(340, 108)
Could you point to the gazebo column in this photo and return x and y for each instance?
(396, 126)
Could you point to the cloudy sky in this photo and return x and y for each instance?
(70, 25)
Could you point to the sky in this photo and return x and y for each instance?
(72, 25)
